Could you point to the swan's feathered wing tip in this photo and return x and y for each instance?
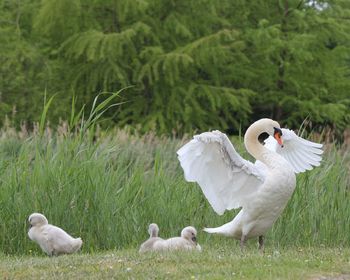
(301, 154)
(226, 179)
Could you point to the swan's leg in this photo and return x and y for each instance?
(243, 240)
(261, 243)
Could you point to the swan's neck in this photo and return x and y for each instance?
(257, 150)
(153, 232)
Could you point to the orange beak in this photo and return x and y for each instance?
(278, 138)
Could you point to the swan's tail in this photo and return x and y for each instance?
(226, 229)
(77, 244)
(212, 230)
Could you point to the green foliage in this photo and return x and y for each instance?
(108, 190)
(50, 23)
(42, 122)
(25, 72)
(94, 118)
(302, 55)
(193, 64)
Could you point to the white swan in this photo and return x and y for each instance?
(52, 240)
(261, 189)
(153, 231)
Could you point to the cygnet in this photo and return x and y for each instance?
(52, 240)
(153, 231)
(187, 241)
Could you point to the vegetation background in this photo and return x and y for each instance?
(192, 64)
(109, 190)
(185, 66)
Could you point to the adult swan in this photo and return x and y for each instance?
(262, 189)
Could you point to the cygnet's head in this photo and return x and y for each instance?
(189, 233)
(153, 230)
(37, 219)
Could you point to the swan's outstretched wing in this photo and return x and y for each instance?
(226, 179)
(300, 153)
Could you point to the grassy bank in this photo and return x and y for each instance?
(108, 190)
(212, 263)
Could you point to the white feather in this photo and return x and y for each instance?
(51, 239)
(261, 189)
(227, 180)
(187, 241)
(301, 154)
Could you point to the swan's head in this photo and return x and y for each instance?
(153, 230)
(264, 128)
(189, 233)
(37, 219)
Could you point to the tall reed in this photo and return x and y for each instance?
(108, 186)
(109, 190)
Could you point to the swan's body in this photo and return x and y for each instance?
(261, 189)
(187, 241)
(52, 240)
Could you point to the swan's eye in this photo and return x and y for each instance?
(277, 130)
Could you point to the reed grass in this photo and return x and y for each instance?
(108, 188)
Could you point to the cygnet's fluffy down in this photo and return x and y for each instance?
(146, 246)
(52, 240)
(187, 241)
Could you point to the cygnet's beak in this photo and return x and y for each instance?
(194, 239)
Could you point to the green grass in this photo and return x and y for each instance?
(109, 190)
(215, 262)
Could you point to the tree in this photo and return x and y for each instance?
(193, 64)
(300, 56)
(25, 70)
(173, 62)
